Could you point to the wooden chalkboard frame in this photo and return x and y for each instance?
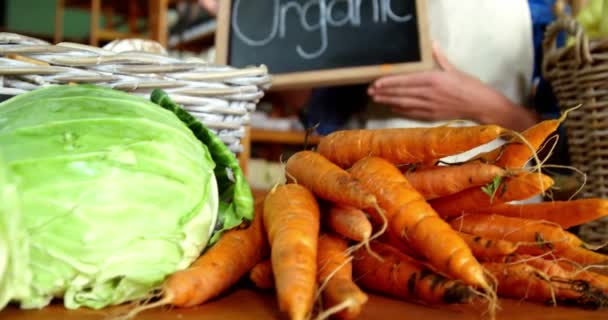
(337, 76)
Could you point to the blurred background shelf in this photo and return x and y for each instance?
(283, 137)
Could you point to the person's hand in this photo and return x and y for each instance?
(448, 94)
(210, 5)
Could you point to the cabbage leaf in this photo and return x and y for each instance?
(103, 194)
(236, 200)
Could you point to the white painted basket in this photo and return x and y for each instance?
(220, 96)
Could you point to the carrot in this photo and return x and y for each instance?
(519, 187)
(539, 235)
(565, 213)
(390, 239)
(291, 218)
(441, 181)
(537, 232)
(235, 253)
(523, 281)
(401, 276)
(414, 221)
(349, 222)
(515, 153)
(550, 268)
(261, 275)
(561, 270)
(340, 293)
(221, 266)
(327, 180)
(594, 278)
(583, 256)
(484, 247)
(404, 145)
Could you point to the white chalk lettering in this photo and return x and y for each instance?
(243, 37)
(330, 13)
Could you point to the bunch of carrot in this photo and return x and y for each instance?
(376, 210)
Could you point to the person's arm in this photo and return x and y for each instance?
(210, 6)
(449, 94)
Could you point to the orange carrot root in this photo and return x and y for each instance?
(538, 233)
(221, 266)
(484, 247)
(515, 154)
(414, 221)
(330, 182)
(404, 145)
(390, 239)
(349, 222)
(534, 236)
(520, 187)
(523, 281)
(401, 276)
(341, 295)
(261, 275)
(442, 181)
(327, 181)
(235, 253)
(565, 213)
(291, 218)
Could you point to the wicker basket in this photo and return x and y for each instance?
(220, 96)
(579, 75)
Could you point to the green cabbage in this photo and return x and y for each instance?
(102, 195)
(13, 242)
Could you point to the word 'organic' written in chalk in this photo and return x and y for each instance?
(315, 17)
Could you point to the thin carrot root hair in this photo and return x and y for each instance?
(376, 235)
(143, 304)
(323, 284)
(284, 167)
(335, 280)
(579, 171)
(325, 314)
(490, 293)
(545, 277)
(537, 166)
(366, 242)
(589, 267)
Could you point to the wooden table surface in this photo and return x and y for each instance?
(246, 303)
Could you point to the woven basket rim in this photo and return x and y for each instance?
(220, 96)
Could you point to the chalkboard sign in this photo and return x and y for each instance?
(310, 43)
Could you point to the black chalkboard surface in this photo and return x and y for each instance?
(308, 43)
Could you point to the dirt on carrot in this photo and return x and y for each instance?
(413, 220)
(523, 281)
(442, 181)
(400, 276)
(540, 234)
(533, 236)
(484, 248)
